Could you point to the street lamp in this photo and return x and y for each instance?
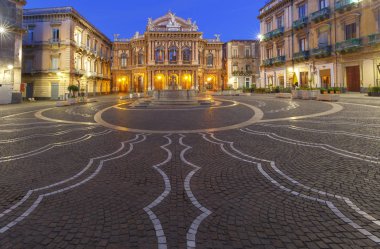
(3, 30)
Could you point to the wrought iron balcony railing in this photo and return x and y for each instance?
(320, 15)
(374, 39)
(267, 63)
(348, 46)
(346, 5)
(301, 56)
(321, 52)
(300, 23)
(279, 60)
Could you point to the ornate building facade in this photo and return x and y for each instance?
(320, 43)
(62, 48)
(171, 54)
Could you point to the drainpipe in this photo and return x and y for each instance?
(291, 22)
(336, 54)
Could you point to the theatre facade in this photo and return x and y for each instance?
(172, 54)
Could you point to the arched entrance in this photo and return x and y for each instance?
(173, 82)
(186, 81)
(159, 80)
(140, 86)
(210, 83)
(123, 84)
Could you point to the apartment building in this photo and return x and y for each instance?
(11, 33)
(62, 48)
(320, 43)
(242, 60)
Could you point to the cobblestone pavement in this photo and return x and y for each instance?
(304, 174)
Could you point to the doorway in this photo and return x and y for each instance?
(29, 90)
(353, 78)
(54, 91)
(325, 76)
(304, 79)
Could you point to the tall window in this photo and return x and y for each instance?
(96, 45)
(186, 55)
(55, 35)
(234, 68)
(323, 39)
(280, 51)
(160, 55)
(350, 31)
(30, 35)
(124, 60)
(87, 66)
(302, 44)
(247, 52)
(210, 60)
(248, 68)
(302, 11)
(140, 58)
(173, 54)
(78, 37)
(88, 41)
(269, 26)
(280, 21)
(269, 53)
(235, 53)
(77, 62)
(55, 63)
(322, 4)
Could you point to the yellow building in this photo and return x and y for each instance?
(171, 54)
(62, 48)
(320, 43)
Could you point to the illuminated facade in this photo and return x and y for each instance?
(62, 48)
(11, 32)
(171, 54)
(320, 43)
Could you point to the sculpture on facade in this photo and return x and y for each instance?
(194, 26)
(150, 25)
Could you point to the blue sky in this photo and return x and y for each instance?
(236, 19)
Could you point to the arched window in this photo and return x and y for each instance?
(160, 55)
(186, 55)
(124, 60)
(173, 55)
(140, 57)
(210, 60)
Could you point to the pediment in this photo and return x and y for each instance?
(171, 22)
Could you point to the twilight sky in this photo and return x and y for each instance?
(233, 19)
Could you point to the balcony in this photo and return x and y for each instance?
(278, 32)
(374, 39)
(349, 46)
(320, 15)
(274, 34)
(346, 5)
(301, 56)
(321, 52)
(267, 63)
(242, 73)
(300, 23)
(279, 60)
(267, 36)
